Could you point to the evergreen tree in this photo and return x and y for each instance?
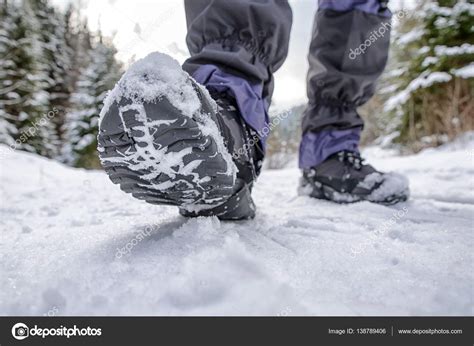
(23, 81)
(58, 62)
(50, 71)
(8, 26)
(77, 39)
(433, 96)
(95, 80)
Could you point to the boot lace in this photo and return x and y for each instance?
(353, 159)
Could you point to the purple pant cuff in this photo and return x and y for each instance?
(316, 147)
(248, 97)
(367, 6)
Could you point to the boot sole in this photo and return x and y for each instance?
(161, 156)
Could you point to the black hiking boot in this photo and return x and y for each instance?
(163, 139)
(344, 178)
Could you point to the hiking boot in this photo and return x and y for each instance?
(345, 178)
(163, 139)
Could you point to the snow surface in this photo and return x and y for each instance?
(61, 229)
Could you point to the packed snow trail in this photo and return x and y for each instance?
(62, 228)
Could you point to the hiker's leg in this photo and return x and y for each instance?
(348, 52)
(235, 47)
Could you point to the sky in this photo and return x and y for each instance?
(140, 27)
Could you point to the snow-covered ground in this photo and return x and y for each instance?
(61, 229)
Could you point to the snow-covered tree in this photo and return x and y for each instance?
(95, 80)
(49, 67)
(432, 82)
(58, 60)
(24, 101)
(8, 26)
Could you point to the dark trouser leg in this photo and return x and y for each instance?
(235, 47)
(348, 52)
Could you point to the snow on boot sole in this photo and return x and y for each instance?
(162, 154)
